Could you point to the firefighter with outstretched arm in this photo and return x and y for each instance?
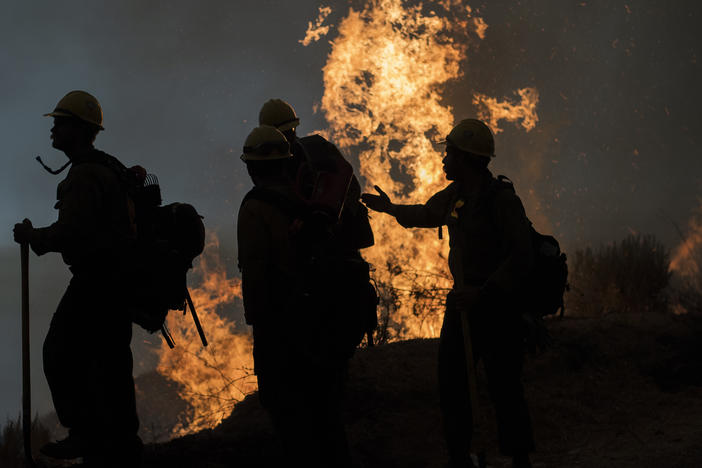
(490, 256)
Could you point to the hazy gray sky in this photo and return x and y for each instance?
(181, 83)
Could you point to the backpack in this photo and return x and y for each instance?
(333, 290)
(324, 181)
(548, 281)
(168, 239)
(323, 178)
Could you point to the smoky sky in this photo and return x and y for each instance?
(615, 151)
(617, 143)
(180, 84)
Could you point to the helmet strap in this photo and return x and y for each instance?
(52, 171)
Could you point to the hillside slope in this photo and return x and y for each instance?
(620, 391)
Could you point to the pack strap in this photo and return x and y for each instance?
(504, 180)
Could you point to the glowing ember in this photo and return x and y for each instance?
(215, 378)
(383, 80)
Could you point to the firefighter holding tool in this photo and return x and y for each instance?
(87, 356)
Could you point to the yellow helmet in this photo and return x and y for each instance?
(279, 114)
(472, 136)
(265, 143)
(80, 105)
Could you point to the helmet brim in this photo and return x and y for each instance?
(269, 157)
(288, 125)
(58, 113)
(448, 142)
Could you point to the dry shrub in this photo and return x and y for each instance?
(12, 442)
(686, 293)
(686, 266)
(627, 276)
(423, 293)
(687, 297)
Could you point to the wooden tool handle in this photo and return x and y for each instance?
(26, 376)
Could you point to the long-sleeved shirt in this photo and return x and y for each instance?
(94, 220)
(489, 233)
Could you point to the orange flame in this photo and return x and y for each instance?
(382, 98)
(215, 378)
(316, 30)
(492, 110)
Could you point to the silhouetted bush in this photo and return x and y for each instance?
(687, 272)
(12, 442)
(628, 276)
(425, 293)
(686, 294)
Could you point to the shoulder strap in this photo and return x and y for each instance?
(498, 185)
(487, 198)
(127, 177)
(504, 182)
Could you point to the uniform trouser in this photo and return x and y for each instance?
(305, 406)
(497, 342)
(88, 366)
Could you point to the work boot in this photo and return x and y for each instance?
(66, 449)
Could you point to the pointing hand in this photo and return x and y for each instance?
(379, 202)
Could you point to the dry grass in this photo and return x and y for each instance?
(622, 386)
(624, 277)
(623, 390)
(12, 442)
(619, 391)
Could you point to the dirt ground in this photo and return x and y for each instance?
(617, 391)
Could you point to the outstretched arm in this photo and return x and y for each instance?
(380, 202)
(431, 214)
